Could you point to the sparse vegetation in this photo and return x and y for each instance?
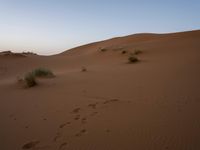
(83, 69)
(11, 54)
(124, 52)
(42, 72)
(29, 53)
(30, 78)
(133, 59)
(102, 49)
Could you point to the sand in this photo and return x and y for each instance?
(153, 104)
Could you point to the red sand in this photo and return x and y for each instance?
(153, 104)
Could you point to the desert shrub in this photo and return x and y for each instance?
(133, 59)
(29, 53)
(83, 69)
(102, 49)
(30, 79)
(124, 52)
(42, 72)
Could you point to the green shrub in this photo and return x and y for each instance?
(30, 79)
(42, 72)
(133, 59)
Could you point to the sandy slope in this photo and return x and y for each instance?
(150, 105)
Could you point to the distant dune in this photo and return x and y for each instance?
(100, 100)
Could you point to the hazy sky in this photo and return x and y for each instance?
(52, 26)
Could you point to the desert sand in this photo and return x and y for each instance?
(153, 104)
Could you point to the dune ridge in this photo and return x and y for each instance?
(152, 104)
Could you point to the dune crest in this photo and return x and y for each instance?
(99, 100)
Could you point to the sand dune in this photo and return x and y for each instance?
(114, 105)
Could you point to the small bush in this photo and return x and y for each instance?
(133, 59)
(42, 72)
(30, 79)
(102, 49)
(124, 52)
(83, 69)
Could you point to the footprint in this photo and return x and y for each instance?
(58, 135)
(78, 134)
(11, 115)
(76, 110)
(108, 131)
(62, 145)
(30, 145)
(26, 127)
(77, 117)
(68, 123)
(81, 132)
(62, 125)
(83, 120)
(110, 101)
(93, 105)
(93, 114)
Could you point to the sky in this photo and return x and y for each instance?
(52, 26)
